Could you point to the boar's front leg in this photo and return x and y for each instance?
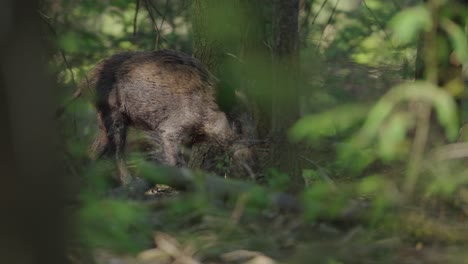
(171, 137)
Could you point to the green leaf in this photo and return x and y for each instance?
(354, 157)
(371, 185)
(119, 225)
(327, 123)
(425, 92)
(407, 24)
(393, 135)
(457, 37)
(70, 42)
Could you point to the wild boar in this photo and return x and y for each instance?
(167, 94)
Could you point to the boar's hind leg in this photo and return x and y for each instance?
(101, 145)
(120, 136)
(113, 127)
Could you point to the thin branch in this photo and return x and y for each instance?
(424, 109)
(328, 23)
(419, 146)
(249, 171)
(381, 25)
(323, 174)
(45, 18)
(319, 11)
(215, 186)
(306, 18)
(137, 8)
(155, 25)
(304, 26)
(156, 9)
(451, 151)
(78, 89)
(163, 19)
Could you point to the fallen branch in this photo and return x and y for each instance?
(215, 186)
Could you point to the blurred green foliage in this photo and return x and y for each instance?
(358, 105)
(117, 225)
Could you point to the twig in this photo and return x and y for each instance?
(319, 11)
(308, 11)
(424, 111)
(162, 20)
(239, 208)
(328, 22)
(155, 25)
(451, 151)
(321, 171)
(215, 186)
(137, 8)
(45, 18)
(78, 90)
(249, 170)
(304, 27)
(382, 27)
(419, 146)
(153, 6)
(156, 9)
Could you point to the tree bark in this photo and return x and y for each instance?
(285, 110)
(209, 49)
(229, 40)
(228, 36)
(32, 225)
(270, 87)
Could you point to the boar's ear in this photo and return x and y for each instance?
(236, 125)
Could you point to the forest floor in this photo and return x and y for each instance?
(232, 234)
(227, 230)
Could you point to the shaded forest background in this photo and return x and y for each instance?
(355, 110)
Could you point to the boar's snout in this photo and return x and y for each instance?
(244, 159)
(219, 129)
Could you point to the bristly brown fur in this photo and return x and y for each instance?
(166, 93)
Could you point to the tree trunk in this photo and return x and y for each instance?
(32, 222)
(225, 29)
(229, 39)
(285, 110)
(216, 36)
